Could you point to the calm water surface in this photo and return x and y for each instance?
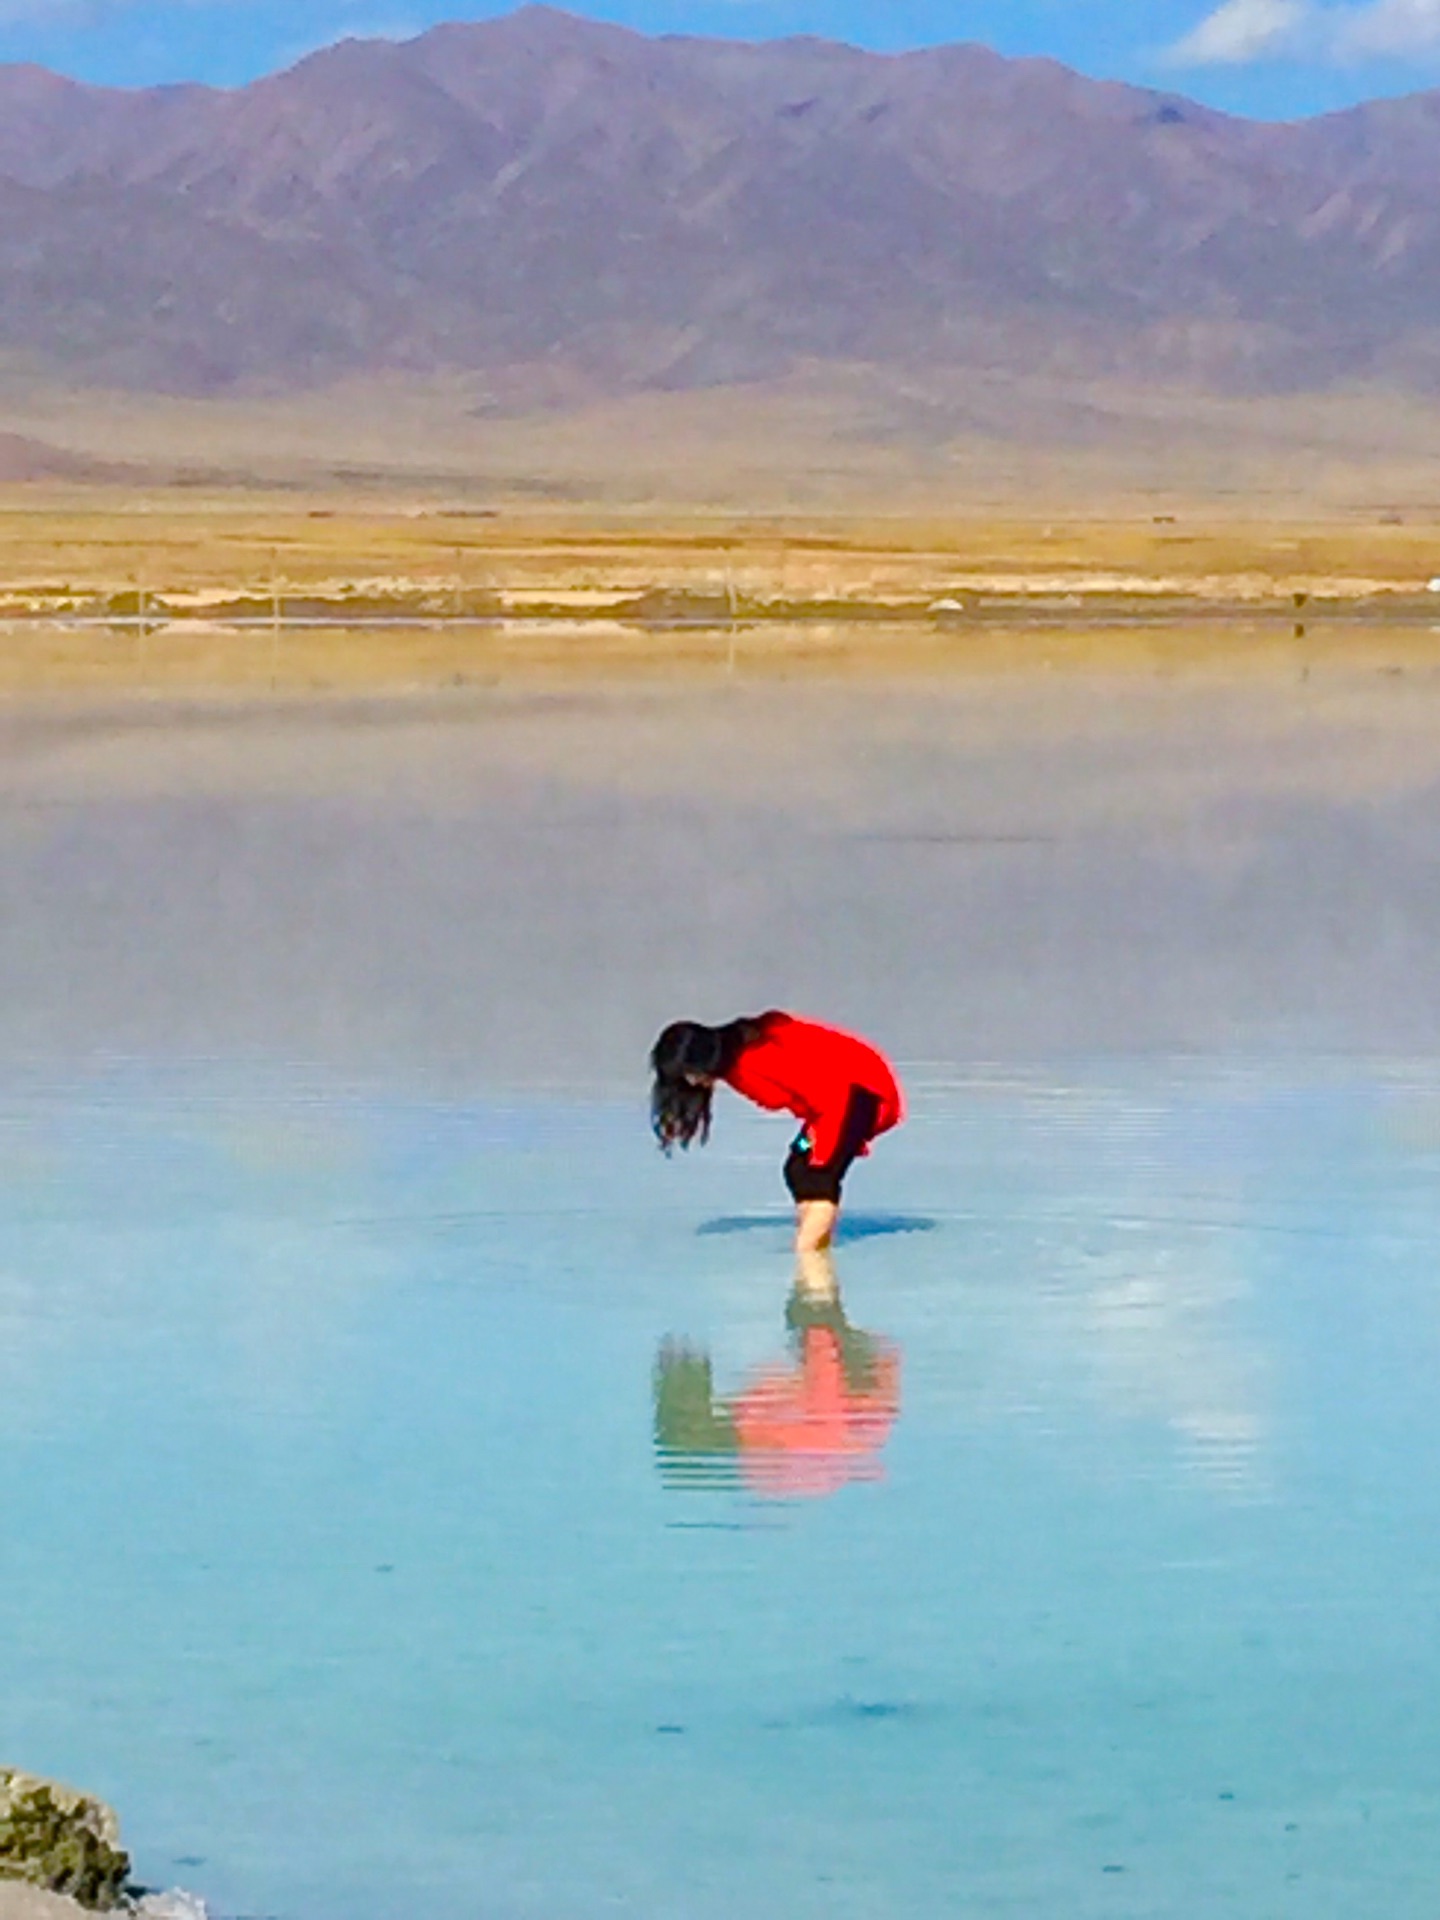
(407, 1500)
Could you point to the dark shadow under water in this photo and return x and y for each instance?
(853, 1226)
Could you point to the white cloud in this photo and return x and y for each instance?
(1386, 28)
(1243, 32)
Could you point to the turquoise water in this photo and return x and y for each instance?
(338, 1550)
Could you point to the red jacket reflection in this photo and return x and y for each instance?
(807, 1431)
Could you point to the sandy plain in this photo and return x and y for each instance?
(825, 438)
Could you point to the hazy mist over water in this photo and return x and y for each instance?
(524, 886)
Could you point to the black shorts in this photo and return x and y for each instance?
(805, 1180)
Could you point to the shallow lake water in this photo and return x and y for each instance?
(413, 1502)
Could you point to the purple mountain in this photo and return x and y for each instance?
(545, 191)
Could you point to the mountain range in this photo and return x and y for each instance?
(567, 207)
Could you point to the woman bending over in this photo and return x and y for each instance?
(843, 1092)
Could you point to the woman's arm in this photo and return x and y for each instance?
(827, 1130)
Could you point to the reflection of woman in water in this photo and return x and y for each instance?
(801, 1430)
(842, 1091)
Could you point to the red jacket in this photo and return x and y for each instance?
(799, 1067)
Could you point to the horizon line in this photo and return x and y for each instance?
(587, 23)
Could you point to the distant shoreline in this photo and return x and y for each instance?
(108, 591)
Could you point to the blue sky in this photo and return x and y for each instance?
(1274, 58)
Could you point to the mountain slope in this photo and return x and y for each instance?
(637, 212)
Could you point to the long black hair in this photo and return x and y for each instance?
(680, 1105)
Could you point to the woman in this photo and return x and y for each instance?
(842, 1091)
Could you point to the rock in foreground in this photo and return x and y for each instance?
(54, 1838)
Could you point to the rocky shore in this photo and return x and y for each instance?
(60, 1857)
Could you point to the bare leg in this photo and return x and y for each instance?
(815, 1225)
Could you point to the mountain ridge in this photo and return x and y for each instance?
(631, 212)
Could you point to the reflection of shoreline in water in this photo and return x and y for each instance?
(798, 1429)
